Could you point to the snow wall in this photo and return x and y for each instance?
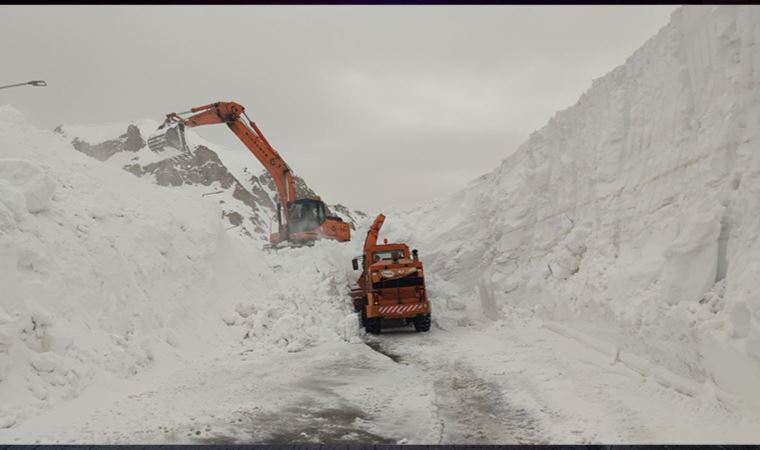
(103, 275)
(632, 218)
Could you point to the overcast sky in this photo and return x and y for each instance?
(376, 107)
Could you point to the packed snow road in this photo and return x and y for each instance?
(505, 383)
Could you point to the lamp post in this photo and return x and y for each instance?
(30, 83)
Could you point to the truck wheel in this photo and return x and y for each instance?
(363, 317)
(422, 322)
(372, 325)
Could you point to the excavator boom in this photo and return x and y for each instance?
(231, 114)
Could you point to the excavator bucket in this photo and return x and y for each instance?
(173, 137)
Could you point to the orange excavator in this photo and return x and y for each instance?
(303, 220)
(391, 290)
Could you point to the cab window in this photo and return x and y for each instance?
(305, 216)
(387, 255)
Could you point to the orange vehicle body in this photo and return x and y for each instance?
(303, 220)
(391, 289)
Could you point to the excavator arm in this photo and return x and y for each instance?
(231, 114)
(308, 220)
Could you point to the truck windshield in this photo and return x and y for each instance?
(388, 254)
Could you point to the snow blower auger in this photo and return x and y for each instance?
(172, 138)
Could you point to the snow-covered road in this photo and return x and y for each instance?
(505, 383)
(524, 383)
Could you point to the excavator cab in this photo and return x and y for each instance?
(308, 220)
(305, 214)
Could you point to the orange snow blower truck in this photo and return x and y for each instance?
(304, 220)
(391, 290)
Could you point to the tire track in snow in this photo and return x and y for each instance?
(470, 409)
(477, 412)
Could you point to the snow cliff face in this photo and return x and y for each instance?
(80, 251)
(633, 215)
(234, 178)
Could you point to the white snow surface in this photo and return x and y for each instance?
(130, 314)
(104, 275)
(632, 218)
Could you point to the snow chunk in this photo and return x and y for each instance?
(31, 180)
(45, 362)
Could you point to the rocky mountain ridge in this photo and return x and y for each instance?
(248, 203)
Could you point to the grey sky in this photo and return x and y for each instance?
(375, 106)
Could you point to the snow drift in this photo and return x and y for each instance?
(632, 216)
(103, 275)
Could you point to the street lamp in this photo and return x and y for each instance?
(30, 83)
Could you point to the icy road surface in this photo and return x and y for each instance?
(518, 383)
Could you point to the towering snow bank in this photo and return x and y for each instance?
(97, 271)
(633, 215)
(103, 275)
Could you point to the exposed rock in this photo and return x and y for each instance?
(302, 190)
(204, 168)
(131, 141)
